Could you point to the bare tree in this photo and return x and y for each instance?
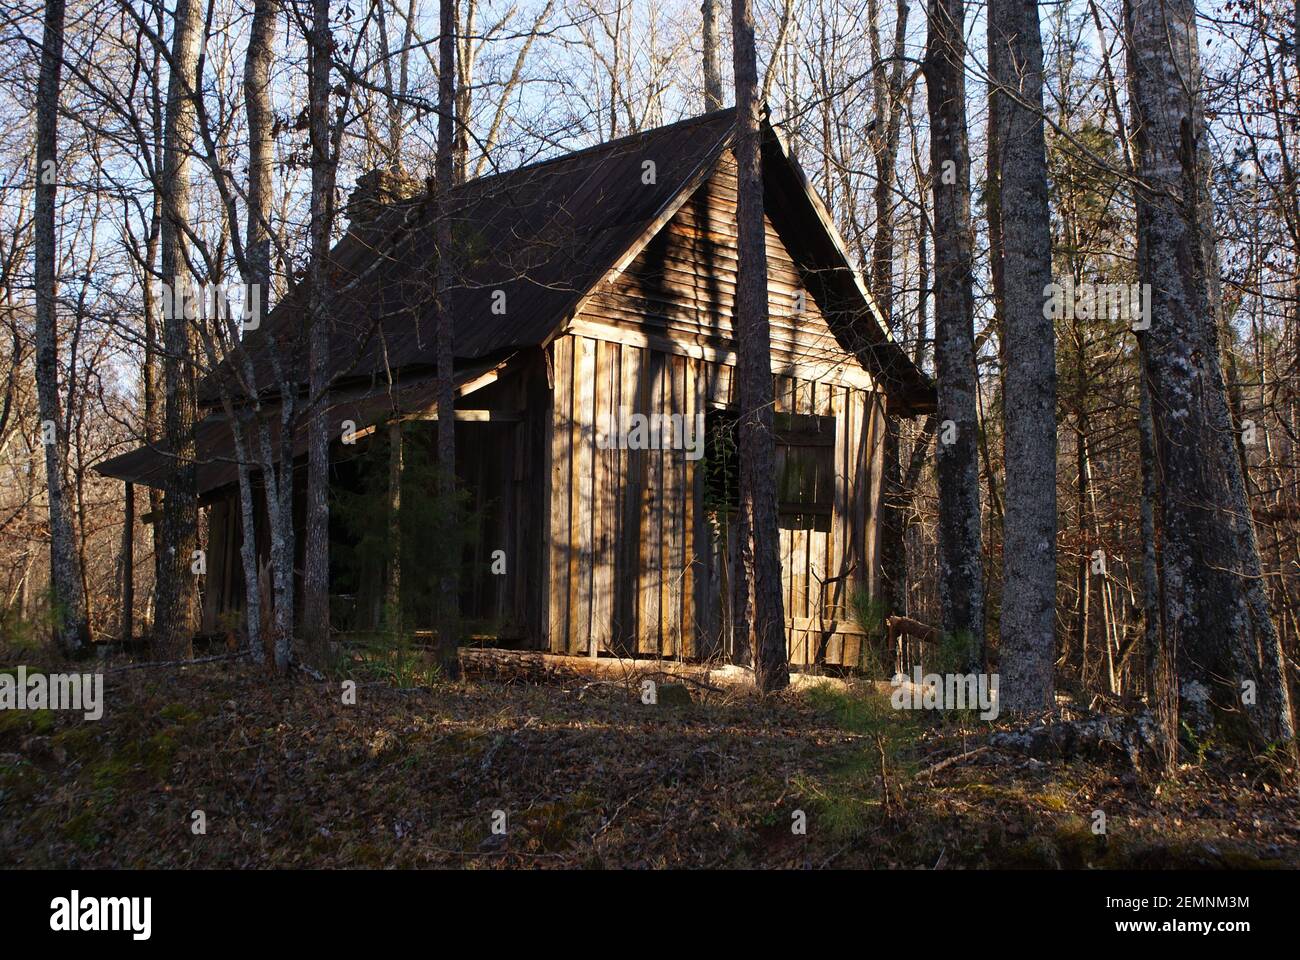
(261, 146)
(176, 587)
(1215, 617)
(712, 56)
(316, 614)
(449, 585)
(1028, 622)
(257, 276)
(69, 603)
(754, 366)
(886, 125)
(961, 569)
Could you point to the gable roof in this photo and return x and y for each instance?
(535, 241)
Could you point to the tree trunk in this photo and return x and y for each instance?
(279, 504)
(1214, 620)
(149, 378)
(884, 136)
(754, 365)
(316, 563)
(176, 585)
(712, 57)
(1083, 611)
(961, 570)
(257, 275)
(463, 92)
(261, 145)
(742, 601)
(1028, 622)
(1162, 680)
(240, 422)
(884, 149)
(277, 485)
(71, 632)
(893, 556)
(449, 579)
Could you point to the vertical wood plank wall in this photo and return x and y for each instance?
(634, 566)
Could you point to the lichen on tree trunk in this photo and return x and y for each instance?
(961, 569)
(1214, 622)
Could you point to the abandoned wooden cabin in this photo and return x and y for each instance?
(592, 288)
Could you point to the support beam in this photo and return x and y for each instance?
(392, 613)
(128, 564)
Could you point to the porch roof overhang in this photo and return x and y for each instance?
(361, 406)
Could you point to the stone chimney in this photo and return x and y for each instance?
(375, 191)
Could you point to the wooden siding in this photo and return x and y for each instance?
(637, 566)
(681, 289)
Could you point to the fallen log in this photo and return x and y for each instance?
(1137, 737)
(950, 761)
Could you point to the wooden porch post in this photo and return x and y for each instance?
(128, 565)
(393, 591)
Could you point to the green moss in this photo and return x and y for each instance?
(179, 713)
(157, 754)
(1054, 802)
(1197, 856)
(13, 723)
(109, 774)
(470, 741)
(152, 757)
(363, 855)
(1079, 848)
(1246, 860)
(554, 827)
(17, 723)
(81, 830)
(79, 742)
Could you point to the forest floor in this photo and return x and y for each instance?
(415, 773)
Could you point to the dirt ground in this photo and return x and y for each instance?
(579, 772)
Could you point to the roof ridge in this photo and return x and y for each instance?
(606, 145)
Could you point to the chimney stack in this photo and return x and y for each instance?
(375, 191)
